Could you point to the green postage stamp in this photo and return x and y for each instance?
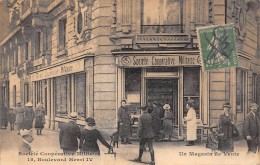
(217, 46)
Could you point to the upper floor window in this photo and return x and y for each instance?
(26, 52)
(38, 45)
(62, 34)
(162, 16)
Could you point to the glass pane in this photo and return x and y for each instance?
(80, 95)
(197, 106)
(60, 87)
(240, 90)
(191, 80)
(133, 89)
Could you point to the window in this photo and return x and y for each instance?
(61, 95)
(133, 88)
(254, 86)
(165, 16)
(15, 58)
(38, 89)
(38, 45)
(26, 93)
(26, 52)
(62, 34)
(14, 95)
(241, 78)
(80, 94)
(191, 88)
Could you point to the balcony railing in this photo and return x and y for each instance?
(176, 28)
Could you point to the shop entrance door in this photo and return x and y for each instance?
(164, 91)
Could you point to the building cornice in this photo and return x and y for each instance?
(10, 35)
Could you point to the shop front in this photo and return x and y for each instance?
(63, 89)
(161, 79)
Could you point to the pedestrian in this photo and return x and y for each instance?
(11, 118)
(28, 116)
(191, 123)
(213, 138)
(226, 123)
(167, 122)
(4, 117)
(251, 129)
(157, 125)
(69, 133)
(89, 136)
(39, 118)
(124, 123)
(27, 139)
(145, 134)
(19, 111)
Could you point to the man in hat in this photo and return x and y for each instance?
(19, 111)
(251, 129)
(145, 133)
(27, 139)
(69, 132)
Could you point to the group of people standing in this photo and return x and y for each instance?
(23, 117)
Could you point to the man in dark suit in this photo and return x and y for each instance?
(69, 132)
(251, 129)
(145, 134)
(27, 139)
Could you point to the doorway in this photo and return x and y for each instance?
(163, 91)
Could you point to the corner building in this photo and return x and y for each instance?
(88, 55)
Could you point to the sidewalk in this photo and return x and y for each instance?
(166, 153)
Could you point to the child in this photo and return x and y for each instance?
(213, 139)
(115, 139)
(11, 118)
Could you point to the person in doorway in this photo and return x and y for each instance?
(157, 125)
(251, 129)
(28, 116)
(27, 139)
(39, 118)
(11, 118)
(167, 122)
(191, 123)
(145, 134)
(69, 133)
(124, 123)
(19, 111)
(88, 140)
(226, 123)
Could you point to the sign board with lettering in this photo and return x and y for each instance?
(217, 46)
(164, 60)
(68, 68)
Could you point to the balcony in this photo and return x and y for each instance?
(176, 28)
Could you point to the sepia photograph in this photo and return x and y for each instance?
(128, 82)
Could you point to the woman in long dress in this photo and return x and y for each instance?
(39, 118)
(167, 122)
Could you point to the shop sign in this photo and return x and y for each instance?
(217, 46)
(173, 60)
(68, 68)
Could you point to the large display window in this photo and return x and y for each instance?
(80, 94)
(61, 95)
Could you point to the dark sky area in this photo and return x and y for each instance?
(4, 20)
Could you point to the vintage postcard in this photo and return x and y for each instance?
(125, 82)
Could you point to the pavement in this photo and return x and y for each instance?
(46, 151)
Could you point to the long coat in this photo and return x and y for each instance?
(225, 128)
(39, 117)
(19, 111)
(251, 126)
(156, 120)
(11, 117)
(145, 128)
(69, 132)
(191, 125)
(125, 119)
(88, 141)
(28, 118)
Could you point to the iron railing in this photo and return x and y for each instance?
(175, 28)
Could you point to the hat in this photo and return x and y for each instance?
(166, 106)
(254, 105)
(213, 126)
(25, 132)
(144, 107)
(19, 103)
(226, 104)
(29, 104)
(73, 115)
(91, 121)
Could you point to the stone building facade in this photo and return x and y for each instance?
(88, 55)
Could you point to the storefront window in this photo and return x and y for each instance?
(80, 95)
(61, 95)
(241, 78)
(133, 88)
(191, 88)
